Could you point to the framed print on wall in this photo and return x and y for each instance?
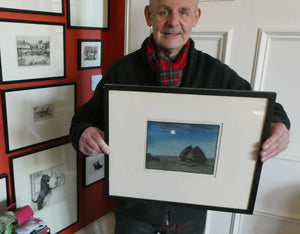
(88, 14)
(47, 181)
(4, 192)
(90, 53)
(186, 154)
(93, 169)
(35, 115)
(45, 7)
(31, 51)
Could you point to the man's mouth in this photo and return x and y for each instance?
(171, 33)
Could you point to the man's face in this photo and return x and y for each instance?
(172, 22)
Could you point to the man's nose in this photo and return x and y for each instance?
(173, 19)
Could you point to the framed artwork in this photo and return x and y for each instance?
(90, 53)
(88, 14)
(45, 7)
(93, 169)
(47, 181)
(186, 154)
(31, 51)
(35, 115)
(4, 192)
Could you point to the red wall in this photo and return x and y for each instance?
(91, 202)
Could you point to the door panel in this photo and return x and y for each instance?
(279, 192)
(262, 224)
(216, 43)
(277, 69)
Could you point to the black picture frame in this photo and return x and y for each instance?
(22, 7)
(92, 17)
(4, 192)
(32, 51)
(242, 116)
(90, 53)
(37, 114)
(93, 169)
(56, 168)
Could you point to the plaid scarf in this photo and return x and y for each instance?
(170, 71)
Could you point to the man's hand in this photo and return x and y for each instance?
(276, 143)
(91, 142)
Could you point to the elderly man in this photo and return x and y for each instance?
(166, 58)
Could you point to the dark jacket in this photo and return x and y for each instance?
(202, 71)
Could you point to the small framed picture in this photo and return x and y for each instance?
(4, 192)
(31, 50)
(45, 7)
(186, 154)
(88, 14)
(93, 169)
(47, 181)
(29, 120)
(90, 53)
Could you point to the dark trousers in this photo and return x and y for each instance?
(129, 225)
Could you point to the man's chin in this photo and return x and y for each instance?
(173, 44)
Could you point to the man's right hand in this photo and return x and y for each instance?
(91, 142)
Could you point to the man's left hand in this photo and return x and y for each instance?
(276, 143)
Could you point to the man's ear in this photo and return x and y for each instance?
(147, 13)
(197, 17)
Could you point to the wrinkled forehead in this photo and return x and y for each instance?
(151, 2)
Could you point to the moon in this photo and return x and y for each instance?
(173, 132)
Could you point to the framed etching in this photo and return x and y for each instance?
(47, 181)
(93, 169)
(4, 192)
(88, 14)
(31, 51)
(90, 53)
(186, 154)
(35, 115)
(46, 7)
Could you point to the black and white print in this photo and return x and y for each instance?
(33, 50)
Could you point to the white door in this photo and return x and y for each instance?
(260, 39)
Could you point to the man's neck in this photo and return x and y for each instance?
(168, 54)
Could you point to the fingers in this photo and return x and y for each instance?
(91, 142)
(276, 143)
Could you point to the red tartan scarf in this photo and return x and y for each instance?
(170, 71)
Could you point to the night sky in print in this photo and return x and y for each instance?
(169, 139)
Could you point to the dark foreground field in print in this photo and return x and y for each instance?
(173, 163)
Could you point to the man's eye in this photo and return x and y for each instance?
(163, 13)
(184, 13)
